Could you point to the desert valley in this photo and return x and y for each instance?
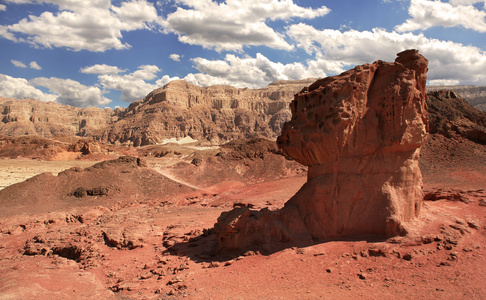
(364, 185)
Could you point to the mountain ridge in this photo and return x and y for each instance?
(216, 114)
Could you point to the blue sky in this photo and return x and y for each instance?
(109, 53)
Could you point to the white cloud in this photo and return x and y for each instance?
(101, 69)
(34, 65)
(426, 14)
(20, 88)
(164, 80)
(447, 60)
(175, 57)
(70, 92)
(235, 23)
(3, 7)
(251, 72)
(18, 64)
(133, 86)
(443, 82)
(93, 25)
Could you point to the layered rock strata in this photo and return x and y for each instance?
(360, 134)
(33, 117)
(216, 113)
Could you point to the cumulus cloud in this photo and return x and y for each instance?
(35, 65)
(70, 92)
(235, 23)
(20, 88)
(175, 57)
(447, 60)
(18, 64)
(250, 72)
(101, 69)
(3, 7)
(133, 86)
(426, 14)
(444, 82)
(93, 25)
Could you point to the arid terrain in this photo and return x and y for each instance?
(104, 221)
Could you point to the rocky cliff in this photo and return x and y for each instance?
(215, 113)
(32, 117)
(475, 95)
(360, 135)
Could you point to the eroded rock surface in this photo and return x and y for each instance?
(360, 135)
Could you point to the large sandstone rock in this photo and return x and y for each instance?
(215, 113)
(360, 135)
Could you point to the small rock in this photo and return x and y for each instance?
(174, 280)
(361, 276)
(473, 223)
(408, 256)
(146, 275)
(376, 252)
(250, 253)
(427, 239)
(453, 256)
(228, 263)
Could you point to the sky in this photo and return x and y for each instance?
(109, 53)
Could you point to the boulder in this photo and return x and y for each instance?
(360, 134)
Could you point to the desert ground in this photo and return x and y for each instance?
(158, 243)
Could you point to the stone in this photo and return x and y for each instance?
(360, 134)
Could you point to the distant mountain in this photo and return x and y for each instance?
(33, 117)
(475, 95)
(217, 114)
(179, 109)
(450, 116)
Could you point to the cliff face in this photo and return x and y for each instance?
(215, 113)
(475, 95)
(32, 117)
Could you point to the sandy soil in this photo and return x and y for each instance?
(18, 170)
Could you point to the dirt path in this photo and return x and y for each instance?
(171, 177)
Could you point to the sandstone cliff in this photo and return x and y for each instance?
(215, 113)
(360, 135)
(32, 117)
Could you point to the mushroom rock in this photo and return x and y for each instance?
(360, 134)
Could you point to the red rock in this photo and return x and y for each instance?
(360, 135)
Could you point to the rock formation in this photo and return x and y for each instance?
(33, 117)
(474, 95)
(451, 115)
(360, 135)
(215, 113)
